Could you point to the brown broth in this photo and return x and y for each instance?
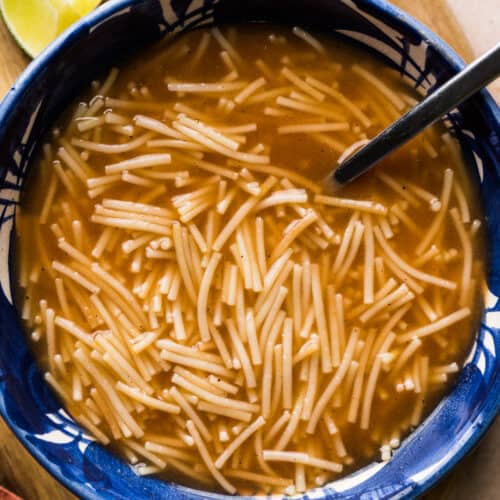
(303, 153)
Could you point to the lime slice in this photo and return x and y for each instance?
(35, 23)
(83, 7)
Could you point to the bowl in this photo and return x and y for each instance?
(30, 407)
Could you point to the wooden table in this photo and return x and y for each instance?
(476, 477)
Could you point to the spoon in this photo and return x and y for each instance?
(449, 95)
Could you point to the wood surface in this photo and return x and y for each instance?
(20, 473)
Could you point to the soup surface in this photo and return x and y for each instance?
(200, 300)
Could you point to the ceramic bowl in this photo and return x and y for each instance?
(122, 27)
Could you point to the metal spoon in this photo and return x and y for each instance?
(456, 90)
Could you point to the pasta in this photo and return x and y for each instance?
(199, 299)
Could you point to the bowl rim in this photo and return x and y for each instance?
(101, 15)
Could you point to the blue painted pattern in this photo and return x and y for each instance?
(27, 403)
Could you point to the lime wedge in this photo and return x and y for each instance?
(35, 23)
(83, 7)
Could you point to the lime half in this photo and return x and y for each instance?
(35, 23)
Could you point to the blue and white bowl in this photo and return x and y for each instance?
(121, 27)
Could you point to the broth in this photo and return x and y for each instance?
(197, 300)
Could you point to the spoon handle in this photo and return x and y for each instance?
(466, 83)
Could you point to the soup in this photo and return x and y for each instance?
(202, 303)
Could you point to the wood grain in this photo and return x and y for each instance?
(20, 473)
(12, 60)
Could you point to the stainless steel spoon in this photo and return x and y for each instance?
(449, 95)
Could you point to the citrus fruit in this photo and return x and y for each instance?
(36, 23)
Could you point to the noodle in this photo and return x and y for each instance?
(201, 301)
